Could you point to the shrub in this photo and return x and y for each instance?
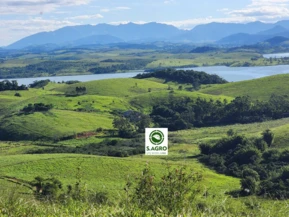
(171, 194)
(205, 148)
(249, 185)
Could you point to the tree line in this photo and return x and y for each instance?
(263, 170)
(184, 76)
(185, 113)
(11, 85)
(47, 67)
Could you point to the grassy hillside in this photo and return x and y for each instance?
(207, 134)
(260, 89)
(116, 87)
(147, 100)
(53, 124)
(86, 113)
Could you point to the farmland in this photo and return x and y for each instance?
(84, 119)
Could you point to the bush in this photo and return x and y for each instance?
(17, 94)
(205, 148)
(171, 194)
(249, 185)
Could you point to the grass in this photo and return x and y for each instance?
(101, 173)
(208, 134)
(110, 174)
(53, 124)
(147, 100)
(116, 87)
(260, 89)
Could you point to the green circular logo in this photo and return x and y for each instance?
(157, 137)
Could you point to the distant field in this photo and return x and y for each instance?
(208, 134)
(206, 59)
(260, 89)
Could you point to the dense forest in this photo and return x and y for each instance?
(184, 76)
(185, 113)
(263, 169)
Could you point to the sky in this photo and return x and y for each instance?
(21, 18)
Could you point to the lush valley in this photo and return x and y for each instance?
(85, 143)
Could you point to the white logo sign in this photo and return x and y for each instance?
(156, 141)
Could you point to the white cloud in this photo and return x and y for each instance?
(264, 10)
(86, 17)
(106, 10)
(35, 6)
(169, 1)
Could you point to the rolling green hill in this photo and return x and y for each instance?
(147, 100)
(86, 113)
(54, 124)
(260, 89)
(116, 87)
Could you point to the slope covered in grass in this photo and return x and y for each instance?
(115, 87)
(147, 100)
(207, 134)
(51, 125)
(260, 89)
(101, 173)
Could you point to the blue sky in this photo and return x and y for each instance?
(20, 18)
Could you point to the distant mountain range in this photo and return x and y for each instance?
(219, 33)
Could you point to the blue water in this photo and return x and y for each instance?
(229, 73)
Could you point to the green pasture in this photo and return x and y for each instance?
(260, 89)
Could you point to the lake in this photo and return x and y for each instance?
(229, 73)
(276, 55)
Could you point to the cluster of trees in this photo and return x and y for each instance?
(11, 85)
(76, 92)
(128, 65)
(131, 123)
(37, 107)
(184, 76)
(184, 113)
(72, 82)
(263, 170)
(114, 148)
(39, 84)
(80, 90)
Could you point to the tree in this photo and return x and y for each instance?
(125, 128)
(143, 123)
(268, 137)
(231, 132)
(205, 148)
